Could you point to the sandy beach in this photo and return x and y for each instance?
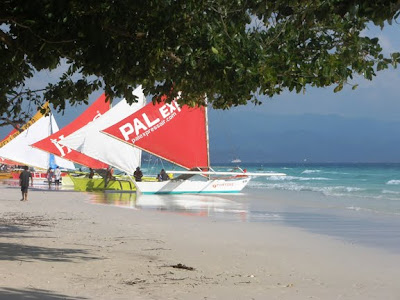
(59, 245)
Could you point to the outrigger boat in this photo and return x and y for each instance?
(180, 136)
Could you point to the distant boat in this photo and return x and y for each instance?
(236, 161)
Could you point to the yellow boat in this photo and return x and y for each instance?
(5, 175)
(83, 183)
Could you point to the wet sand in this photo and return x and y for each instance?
(59, 245)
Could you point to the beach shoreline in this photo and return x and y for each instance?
(58, 245)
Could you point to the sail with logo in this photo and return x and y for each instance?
(17, 146)
(51, 143)
(178, 134)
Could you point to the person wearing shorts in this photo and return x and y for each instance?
(57, 175)
(24, 182)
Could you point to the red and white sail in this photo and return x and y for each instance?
(52, 144)
(176, 134)
(90, 141)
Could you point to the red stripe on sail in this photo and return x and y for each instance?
(177, 134)
(5, 161)
(51, 145)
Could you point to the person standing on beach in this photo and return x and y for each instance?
(57, 175)
(50, 176)
(24, 182)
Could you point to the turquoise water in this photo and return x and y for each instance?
(370, 187)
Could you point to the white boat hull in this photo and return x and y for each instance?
(215, 186)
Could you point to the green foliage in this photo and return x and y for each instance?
(234, 51)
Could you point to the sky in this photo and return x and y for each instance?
(361, 125)
(319, 126)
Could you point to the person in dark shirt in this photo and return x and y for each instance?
(50, 175)
(138, 174)
(163, 176)
(24, 183)
(91, 173)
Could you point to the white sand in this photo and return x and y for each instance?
(59, 246)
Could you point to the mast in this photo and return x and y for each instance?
(50, 132)
(207, 136)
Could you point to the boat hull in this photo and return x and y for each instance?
(5, 175)
(216, 186)
(85, 184)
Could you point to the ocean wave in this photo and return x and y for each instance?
(291, 178)
(393, 182)
(310, 171)
(336, 173)
(349, 188)
(314, 178)
(357, 208)
(390, 192)
(346, 192)
(292, 186)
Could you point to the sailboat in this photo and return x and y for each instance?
(88, 140)
(180, 136)
(17, 146)
(51, 143)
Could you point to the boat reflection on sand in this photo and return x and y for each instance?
(198, 205)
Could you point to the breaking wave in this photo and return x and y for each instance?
(393, 182)
(310, 171)
(292, 186)
(292, 178)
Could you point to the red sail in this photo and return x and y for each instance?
(177, 134)
(51, 145)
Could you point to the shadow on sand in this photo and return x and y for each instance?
(14, 294)
(12, 231)
(13, 251)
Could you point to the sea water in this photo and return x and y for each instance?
(369, 187)
(358, 203)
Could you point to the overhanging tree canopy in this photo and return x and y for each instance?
(232, 50)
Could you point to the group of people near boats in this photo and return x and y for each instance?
(138, 174)
(54, 173)
(162, 176)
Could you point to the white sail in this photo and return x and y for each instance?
(19, 149)
(91, 142)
